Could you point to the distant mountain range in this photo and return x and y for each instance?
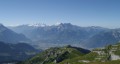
(16, 52)
(45, 36)
(66, 33)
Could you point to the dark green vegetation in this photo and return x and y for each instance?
(81, 59)
(16, 52)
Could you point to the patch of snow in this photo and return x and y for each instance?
(58, 23)
(85, 61)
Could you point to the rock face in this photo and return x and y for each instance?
(115, 57)
(57, 55)
(110, 52)
(114, 49)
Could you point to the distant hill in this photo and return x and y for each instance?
(7, 35)
(16, 52)
(57, 55)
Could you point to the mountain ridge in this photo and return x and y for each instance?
(57, 55)
(7, 35)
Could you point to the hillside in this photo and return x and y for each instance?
(73, 55)
(104, 38)
(16, 52)
(57, 55)
(107, 55)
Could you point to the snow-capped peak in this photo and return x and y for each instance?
(58, 23)
(37, 25)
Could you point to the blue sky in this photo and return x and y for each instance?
(105, 13)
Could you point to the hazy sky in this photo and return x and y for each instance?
(105, 13)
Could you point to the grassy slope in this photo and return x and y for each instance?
(72, 55)
(89, 57)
